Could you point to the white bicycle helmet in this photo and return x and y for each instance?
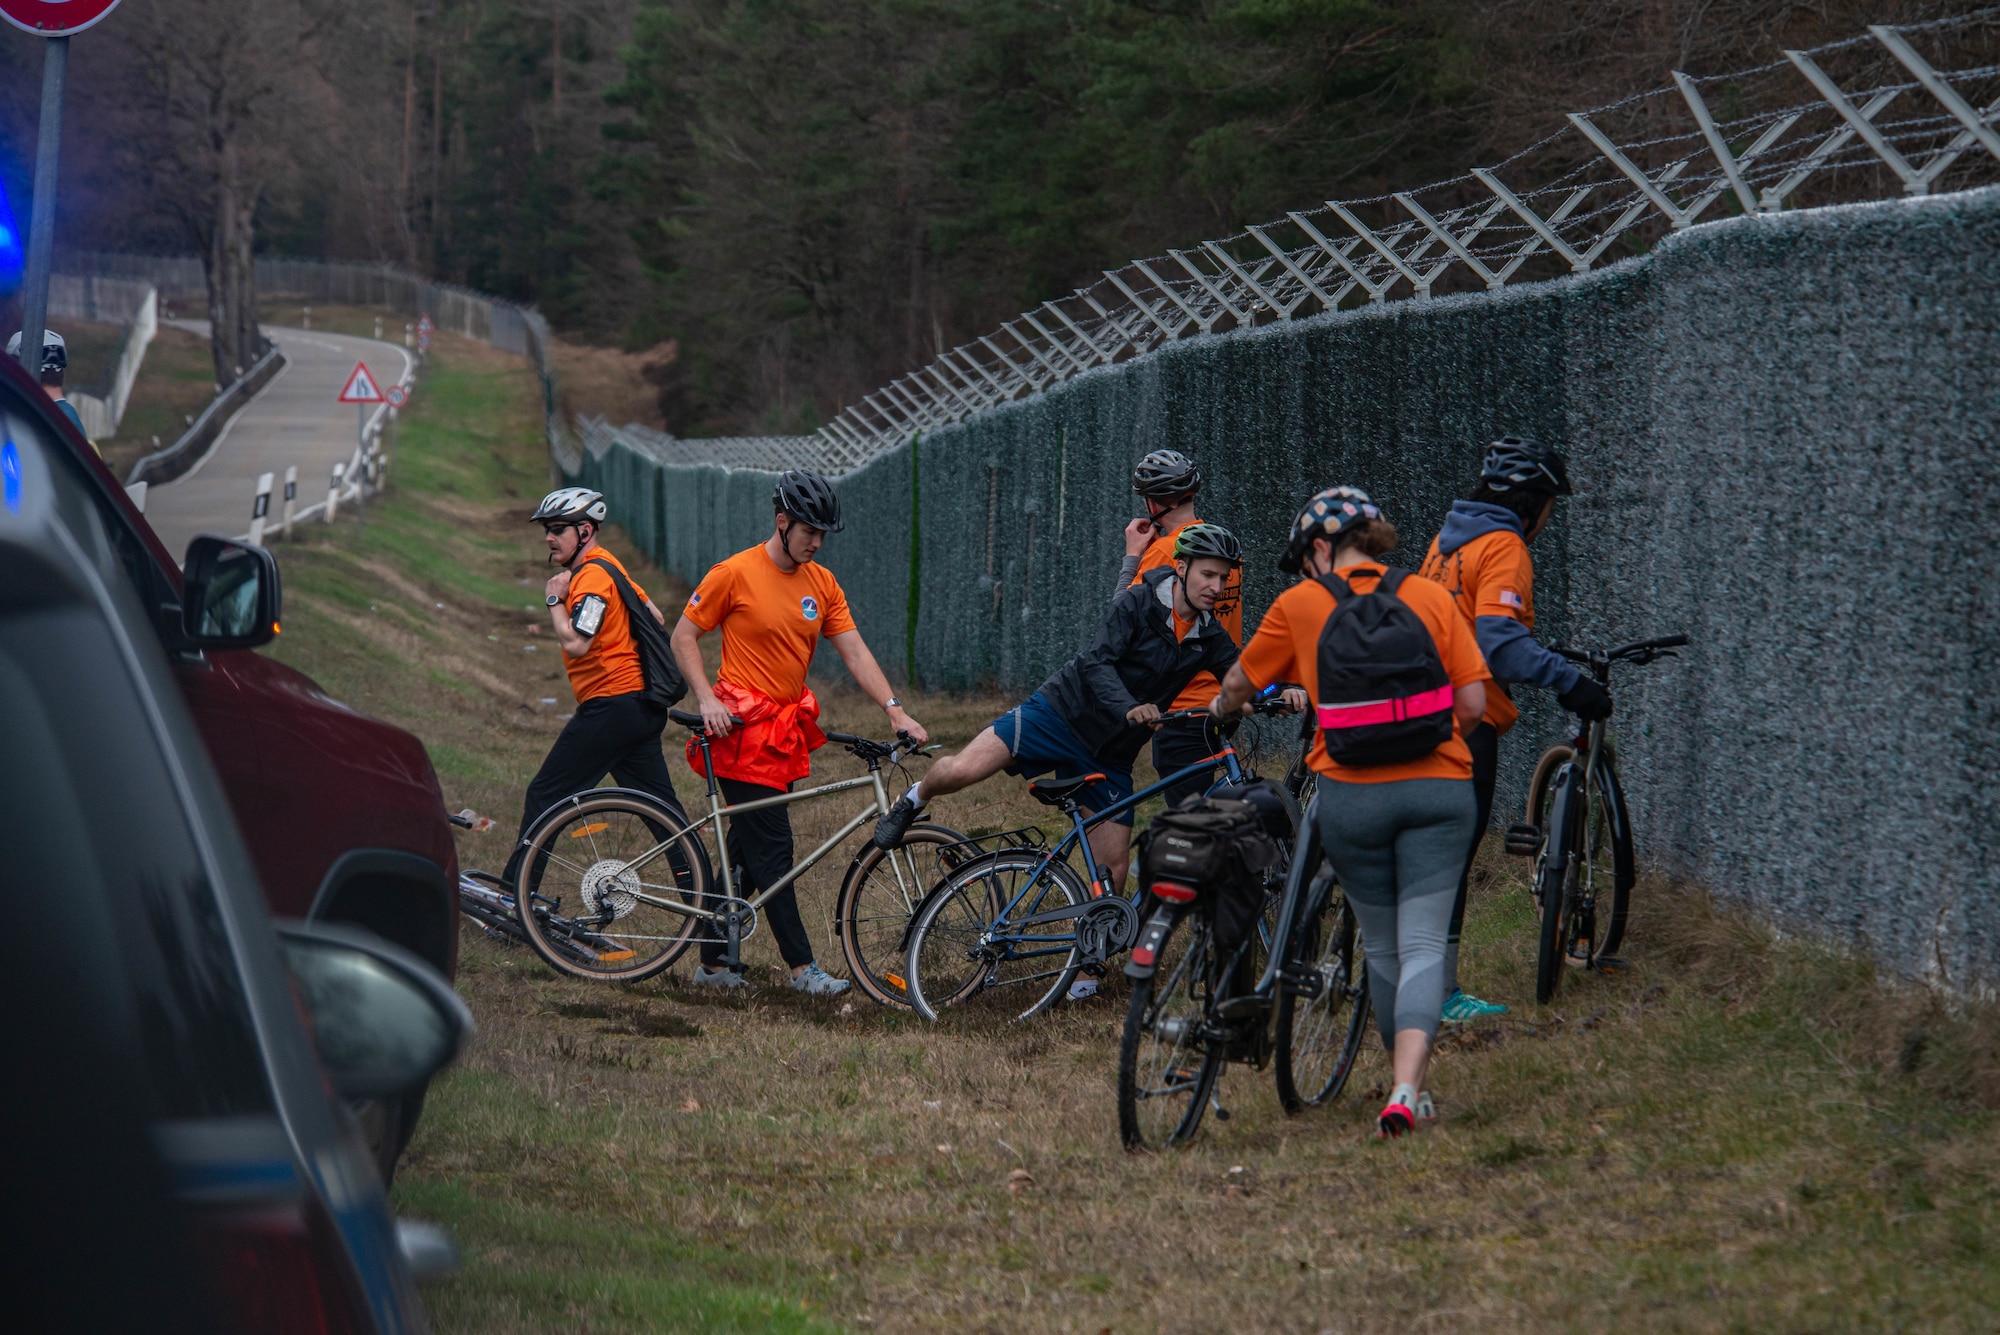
(567, 505)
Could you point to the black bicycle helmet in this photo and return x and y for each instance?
(1211, 541)
(1166, 475)
(55, 352)
(808, 498)
(1523, 462)
(1325, 516)
(569, 505)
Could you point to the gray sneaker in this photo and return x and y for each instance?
(726, 980)
(817, 982)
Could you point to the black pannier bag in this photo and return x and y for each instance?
(664, 684)
(1384, 696)
(1212, 852)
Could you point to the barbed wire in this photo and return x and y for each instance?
(1582, 196)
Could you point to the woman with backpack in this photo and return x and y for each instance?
(1399, 681)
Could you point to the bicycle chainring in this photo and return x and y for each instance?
(1105, 928)
(744, 914)
(609, 886)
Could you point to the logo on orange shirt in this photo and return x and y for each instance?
(809, 607)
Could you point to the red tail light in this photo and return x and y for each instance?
(1174, 892)
(276, 1270)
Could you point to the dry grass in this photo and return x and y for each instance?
(612, 383)
(1740, 1133)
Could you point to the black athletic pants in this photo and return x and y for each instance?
(760, 844)
(1484, 744)
(1181, 744)
(617, 735)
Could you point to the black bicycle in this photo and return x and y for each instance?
(484, 898)
(1579, 832)
(1302, 1007)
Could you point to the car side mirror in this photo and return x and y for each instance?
(383, 1020)
(229, 594)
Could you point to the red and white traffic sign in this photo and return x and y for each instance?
(361, 387)
(397, 396)
(424, 325)
(54, 18)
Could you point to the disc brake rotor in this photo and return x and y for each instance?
(610, 886)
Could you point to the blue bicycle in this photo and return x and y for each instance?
(1021, 919)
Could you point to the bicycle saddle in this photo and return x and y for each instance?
(1055, 792)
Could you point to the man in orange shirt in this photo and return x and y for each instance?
(615, 729)
(1481, 558)
(1399, 680)
(1167, 482)
(773, 603)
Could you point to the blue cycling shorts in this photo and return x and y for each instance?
(1040, 740)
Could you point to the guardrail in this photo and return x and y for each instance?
(134, 304)
(194, 443)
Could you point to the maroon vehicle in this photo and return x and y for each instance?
(342, 813)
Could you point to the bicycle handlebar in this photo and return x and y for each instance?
(1639, 652)
(695, 723)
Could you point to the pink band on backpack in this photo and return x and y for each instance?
(1385, 711)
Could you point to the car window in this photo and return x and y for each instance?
(98, 860)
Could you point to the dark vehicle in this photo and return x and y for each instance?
(174, 1157)
(342, 814)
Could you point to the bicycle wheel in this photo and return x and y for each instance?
(1319, 1037)
(1556, 869)
(877, 900)
(1166, 1069)
(958, 947)
(624, 923)
(1613, 867)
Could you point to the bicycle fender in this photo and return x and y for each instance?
(1146, 952)
(1562, 816)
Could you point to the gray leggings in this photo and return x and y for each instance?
(1398, 849)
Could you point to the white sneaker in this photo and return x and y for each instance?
(817, 982)
(728, 980)
(1083, 988)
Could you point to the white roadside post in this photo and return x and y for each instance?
(333, 491)
(260, 509)
(291, 499)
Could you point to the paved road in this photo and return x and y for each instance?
(296, 420)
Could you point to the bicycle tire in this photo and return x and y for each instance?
(1147, 1072)
(948, 961)
(1624, 864)
(629, 824)
(1306, 1078)
(1555, 875)
(871, 918)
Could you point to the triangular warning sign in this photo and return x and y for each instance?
(361, 387)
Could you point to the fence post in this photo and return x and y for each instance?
(260, 509)
(333, 491)
(291, 498)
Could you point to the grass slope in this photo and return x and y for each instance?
(1740, 1133)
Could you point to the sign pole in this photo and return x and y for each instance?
(361, 453)
(41, 221)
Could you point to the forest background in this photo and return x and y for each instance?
(787, 202)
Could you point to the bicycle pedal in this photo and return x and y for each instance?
(1307, 983)
(1611, 964)
(1524, 840)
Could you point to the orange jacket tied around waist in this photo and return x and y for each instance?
(774, 745)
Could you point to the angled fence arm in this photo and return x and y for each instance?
(1935, 84)
(1221, 299)
(1172, 295)
(1602, 142)
(970, 405)
(1171, 331)
(1319, 293)
(1376, 292)
(1121, 325)
(1774, 195)
(1533, 219)
(1029, 380)
(1422, 284)
(1716, 143)
(1862, 125)
(1055, 375)
(1099, 353)
(1243, 276)
(920, 413)
(1056, 344)
(1000, 392)
(1493, 280)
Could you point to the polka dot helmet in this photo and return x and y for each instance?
(1325, 516)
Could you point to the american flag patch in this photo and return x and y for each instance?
(1509, 598)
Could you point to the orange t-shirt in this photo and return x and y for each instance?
(771, 621)
(1228, 610)
(1286, 648)
(1491, 576)
(611, 666)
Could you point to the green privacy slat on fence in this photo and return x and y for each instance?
(1782, 434)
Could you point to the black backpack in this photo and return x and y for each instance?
(664, 683)
(1384, 696)
(1219, 849)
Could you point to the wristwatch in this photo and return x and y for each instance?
(892, 703)
(554, 600)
